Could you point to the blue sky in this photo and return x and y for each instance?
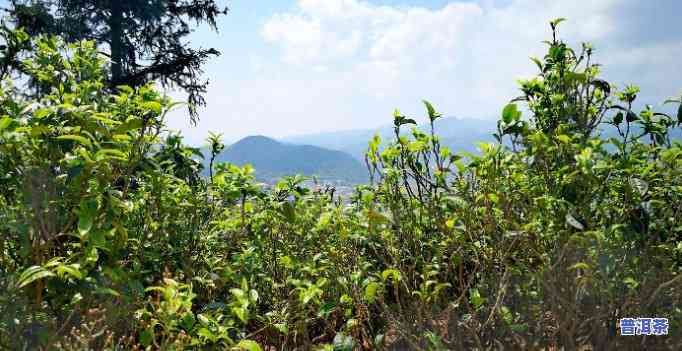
(293, 67)
(306, 66)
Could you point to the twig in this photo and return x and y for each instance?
(661, 287)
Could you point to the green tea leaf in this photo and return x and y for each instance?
(154, 106)
(282, 328)
(110, 153)
(32, 274)
(130, 124)
(343, 342)
(579, 265)
(249, 345)
(72, 270)
(371, 291)
(556, 22)
(4, 123)
(146, 337)
(86, 216)
(77, 138)
(433, 115)
(475, 298)
(631, 283)
(289, 212)
(510, 113)
(393, 274)
(188, 320)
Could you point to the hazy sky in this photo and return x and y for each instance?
(300, 66)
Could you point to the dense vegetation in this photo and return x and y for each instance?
(146, 41)
(112, 239)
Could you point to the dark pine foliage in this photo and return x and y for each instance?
(144, 39)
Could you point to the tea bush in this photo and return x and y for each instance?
(111, 239)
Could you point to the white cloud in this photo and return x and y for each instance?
(332, 30)
(465, 55)
(305, 40)
(345, 64)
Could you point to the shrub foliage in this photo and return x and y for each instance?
(111, 238)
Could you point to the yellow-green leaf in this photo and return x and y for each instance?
(371, 291)
(249, 345)
(77, 138)
(32, 274)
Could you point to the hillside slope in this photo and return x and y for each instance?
(273, 159)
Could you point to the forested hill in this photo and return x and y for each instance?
(459, 134)
(273, 159)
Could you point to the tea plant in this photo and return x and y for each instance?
(112, 238)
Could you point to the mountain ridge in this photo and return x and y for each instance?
(273, 159)
(459, 134)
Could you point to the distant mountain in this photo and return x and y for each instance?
(455, 133)
(458, 134)
(273, 159)
(339, 156)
